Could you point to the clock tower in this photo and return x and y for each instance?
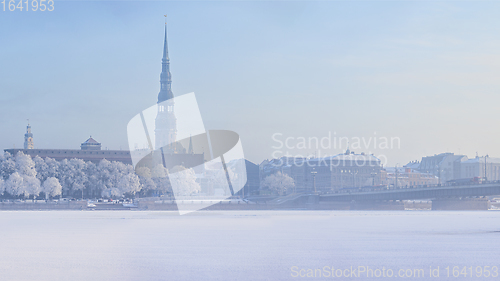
(28, 138)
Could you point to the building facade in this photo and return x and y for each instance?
(90, 151)
(446, 166)
(481, 167)
(346, 170)
(253, 181)
(403, 177)
(449, 167)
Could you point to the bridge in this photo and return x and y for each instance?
(415, 193)
(444, 197)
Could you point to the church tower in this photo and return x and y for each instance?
(165, 123)
(28, 138)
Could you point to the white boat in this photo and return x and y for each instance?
(129, 205)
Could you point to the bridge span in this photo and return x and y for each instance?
(415, 193)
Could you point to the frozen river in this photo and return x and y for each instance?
(244, 245)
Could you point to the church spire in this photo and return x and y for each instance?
(165, 46)
(165, 122)
(165, 76)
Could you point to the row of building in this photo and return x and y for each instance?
(449, 167)
(342, 171)
(350, 170)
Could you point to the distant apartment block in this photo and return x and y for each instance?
(403, 177)
(448, 166)
(329, 173)
(487, 167)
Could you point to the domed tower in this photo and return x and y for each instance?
(90, 144)
(28, 138)
(165, 123)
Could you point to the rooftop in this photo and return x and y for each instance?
(90, 141)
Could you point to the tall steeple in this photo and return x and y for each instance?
(165, 122)
(165, 76)
(28, 138)
(165, 47)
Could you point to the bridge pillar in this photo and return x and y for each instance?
(377, 205)
(461, 204)
(312, 201)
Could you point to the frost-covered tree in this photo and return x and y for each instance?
(8, 166)
(15, 185)
(72, 176)
(279, 183)
(53, 168)
(110, 175)
(159, 175)
(144, 172)
(147, 185)
(183, 181)
(45, 168)
(104, 171)
(159, 171)
(51, 187)
(79, 177)
(64, 175)
(92, 180)
(2, 186)
(41, 168)
(130, 184)
(25, 166)
(31, 185)
(22, 176)
(217, 180)
(2, 158)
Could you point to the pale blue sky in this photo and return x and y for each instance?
(426, 72)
